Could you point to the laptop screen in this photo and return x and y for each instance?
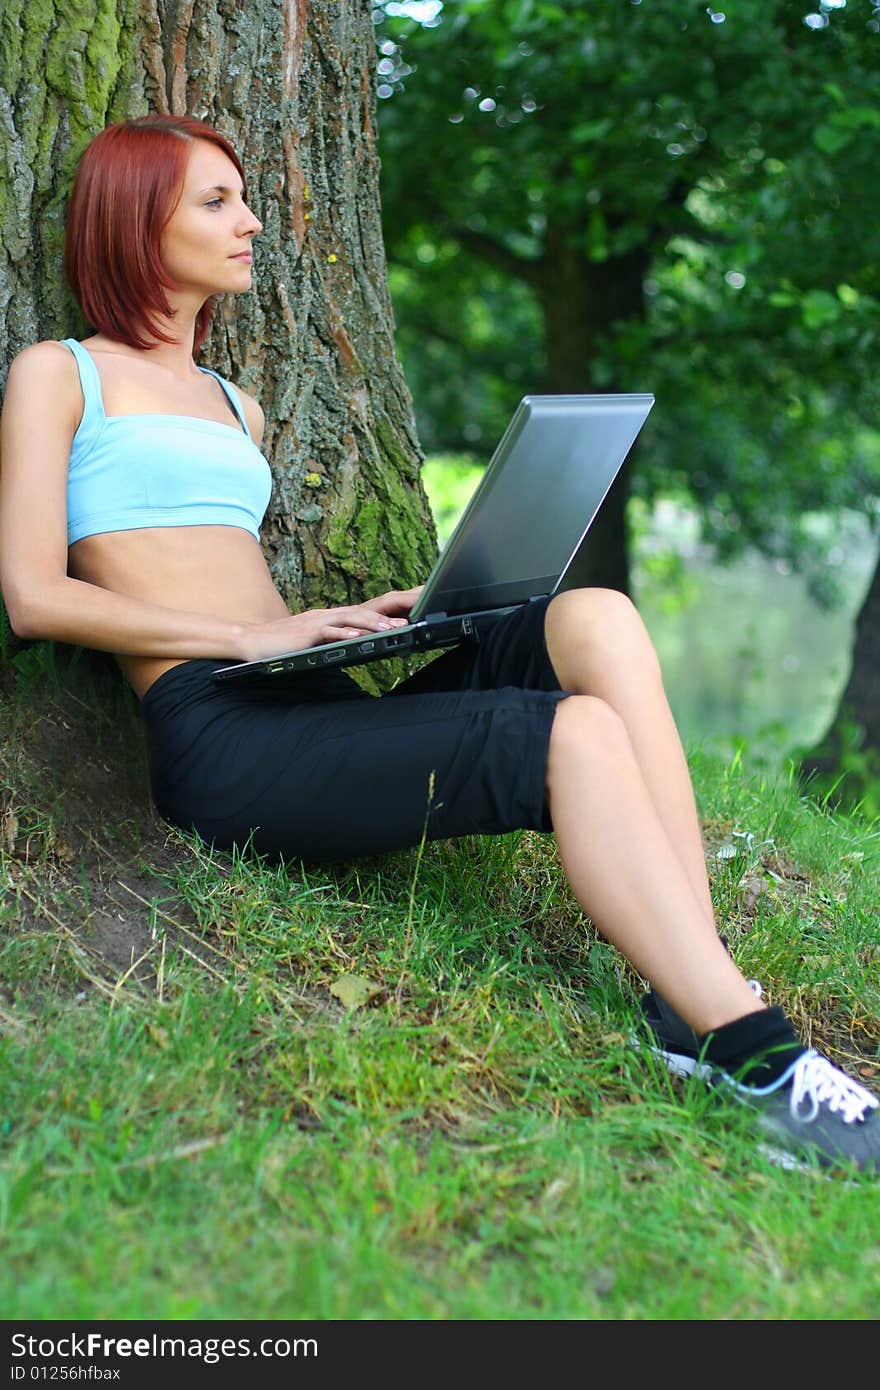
(538, 497)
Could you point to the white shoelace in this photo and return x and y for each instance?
(815, 1082)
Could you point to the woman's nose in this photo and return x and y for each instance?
(253, 225)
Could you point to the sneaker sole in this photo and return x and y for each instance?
(678, 1063)
(782, 1158)
(792, 1163)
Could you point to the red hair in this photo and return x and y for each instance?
(126, 189)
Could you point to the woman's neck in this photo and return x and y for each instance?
(175, 357)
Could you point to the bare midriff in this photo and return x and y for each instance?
(216, 570)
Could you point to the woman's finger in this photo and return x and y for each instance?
(374, 619)
(393, 603)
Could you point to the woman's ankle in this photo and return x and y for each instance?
(757, 1049)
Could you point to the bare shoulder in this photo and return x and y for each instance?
(47, 358)
(46, 374)
(45, 364)
(253, 413)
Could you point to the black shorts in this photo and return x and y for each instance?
(312, 767)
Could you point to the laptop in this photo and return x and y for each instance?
(516, 538)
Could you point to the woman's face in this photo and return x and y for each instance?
(206, 246)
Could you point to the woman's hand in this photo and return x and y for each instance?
(395, 602)
(317, 626)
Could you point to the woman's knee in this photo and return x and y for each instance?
(584, 725)
(597, 609)
(593, 625)
(588, 742)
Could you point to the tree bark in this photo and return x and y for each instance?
(859, 706)
(291, 84)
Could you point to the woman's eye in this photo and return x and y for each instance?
(214, 203)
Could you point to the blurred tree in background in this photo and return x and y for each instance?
(650, 195)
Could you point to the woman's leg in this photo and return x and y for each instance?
(619, 859)
(599, 646)
(622, 804)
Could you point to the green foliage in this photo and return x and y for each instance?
(36, 663)
(449, 480)
(723, 165)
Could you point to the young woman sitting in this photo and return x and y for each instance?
(132, 488)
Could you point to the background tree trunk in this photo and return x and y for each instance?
(290, 83)
(859, 706)
(582, 302)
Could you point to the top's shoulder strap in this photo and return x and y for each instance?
(231, 395)
(90, 381)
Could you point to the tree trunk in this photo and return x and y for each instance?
(859, 707)
(291, 84)
(582, 302)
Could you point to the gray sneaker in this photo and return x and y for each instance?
(814, 1113)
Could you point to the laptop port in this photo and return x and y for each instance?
(311, 661)
(276, 666)
(330, 657)
(366, 647)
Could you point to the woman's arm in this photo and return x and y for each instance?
(40, 417)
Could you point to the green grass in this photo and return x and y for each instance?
(212, 1134)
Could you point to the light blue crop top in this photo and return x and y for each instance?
(128, 471)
